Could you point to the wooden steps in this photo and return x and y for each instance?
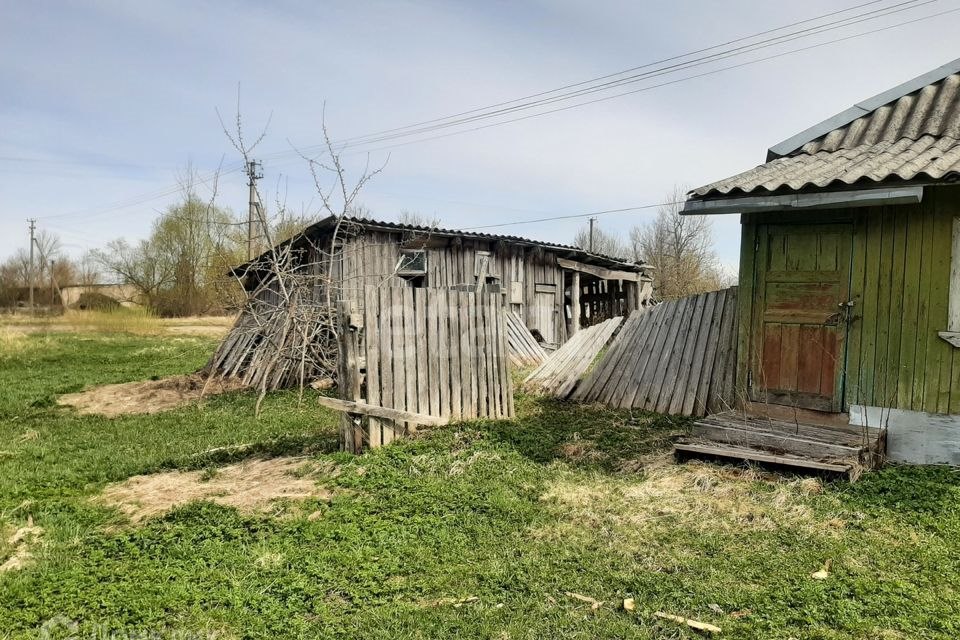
(836, 449)
(684, 451)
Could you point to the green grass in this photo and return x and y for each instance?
(514, 514)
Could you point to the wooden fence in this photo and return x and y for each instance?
(425, 356)
(558, 375)
(678, 358)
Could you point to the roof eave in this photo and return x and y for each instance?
(841, 199)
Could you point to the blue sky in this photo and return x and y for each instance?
(105, 101)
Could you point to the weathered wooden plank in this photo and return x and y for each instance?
(454, 337)
(387, 413)
(627, 371)
(590, 388)
(467, 351)
(779, 442)
(724, 388)
(439, 391)
(634, 394)
(655, 378)
(372, 355)
(708, 328)
(423, 355)
(742, 453)
(680, 383)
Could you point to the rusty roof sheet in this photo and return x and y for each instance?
(910, 132)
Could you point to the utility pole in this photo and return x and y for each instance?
(254, 173)
(33, 227)
(592, 220)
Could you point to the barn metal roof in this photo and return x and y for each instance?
(908, 133)
(568, 250)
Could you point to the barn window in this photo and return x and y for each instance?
(412, 267)
(413, 262)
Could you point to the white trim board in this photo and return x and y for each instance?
(806, 201)
(913, 437)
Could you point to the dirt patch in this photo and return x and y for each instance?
(148, 396)
(18, 546)
(249, 486)
(698, 497)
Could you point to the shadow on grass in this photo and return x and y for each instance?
(592, 436)
(286, 445)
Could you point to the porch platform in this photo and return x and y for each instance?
(841, 450)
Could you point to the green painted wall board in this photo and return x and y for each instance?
(900, 278)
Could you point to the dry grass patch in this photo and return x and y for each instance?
(148, 396)
(698, 497)
(134, 320)
(251, 486)
(16, 547)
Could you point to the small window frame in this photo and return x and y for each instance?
(410, 257)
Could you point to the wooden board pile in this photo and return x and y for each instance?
(679, 358)
(559, 373)
(274, 345)
(525, 351)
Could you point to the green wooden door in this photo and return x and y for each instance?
(799, 328)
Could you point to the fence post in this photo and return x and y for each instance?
(351, 435)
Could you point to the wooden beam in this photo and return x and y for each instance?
(575, 303)
(600, 272)
(381, 412)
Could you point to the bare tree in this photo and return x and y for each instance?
(680, 250)
(292, 288)
(604, 243)
(417, 219)
(88, 269)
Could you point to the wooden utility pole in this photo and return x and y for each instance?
(254, 173)
(592, 220)
(33, 227)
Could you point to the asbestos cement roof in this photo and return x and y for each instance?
(909, 133)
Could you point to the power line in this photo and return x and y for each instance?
(896, 8)
(443, 123)
(572, 216)
(625, 71)
(663, 84)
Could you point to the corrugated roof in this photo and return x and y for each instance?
(584, 256)
(912, 113)
(927, 158)
(932, 111)
(911, 132)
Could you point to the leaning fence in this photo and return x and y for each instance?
(678, 358)
(421, 356)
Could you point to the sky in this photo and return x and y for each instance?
(105, 103)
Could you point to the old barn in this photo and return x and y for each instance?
(549, 290)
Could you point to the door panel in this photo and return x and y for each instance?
(799, 326)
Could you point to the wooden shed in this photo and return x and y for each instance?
(553, 289)
(850, 269)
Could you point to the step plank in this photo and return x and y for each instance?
(778, 441)
(740, 453)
